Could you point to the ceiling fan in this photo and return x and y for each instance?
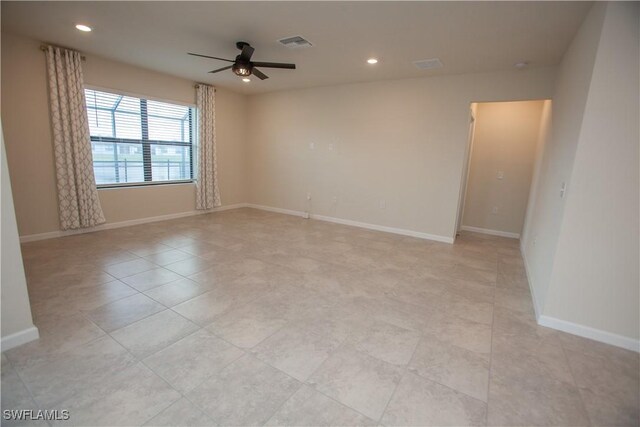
(243, 66)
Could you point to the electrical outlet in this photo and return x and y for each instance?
(494, 210)
(335, 199)
(500, 175)
(308, 196)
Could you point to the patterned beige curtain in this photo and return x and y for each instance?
(78, 202)
(207, 192)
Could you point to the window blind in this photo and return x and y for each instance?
(139, 141)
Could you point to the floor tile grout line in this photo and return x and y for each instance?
(448, 386)
(305, 383)
(76, 347)
(300, 385)
(182, 396)
(158, 350)
(216, 374)
(188, 400)
(139, 361)
(24, 384)
(137, 320)
(336, 350)
(405, 370)
(493, 324)
(338, 402)
(82, 310)
(83, 315)
(575, 382)
(407, 366)
(199, 383)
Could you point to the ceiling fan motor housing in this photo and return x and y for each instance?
(241, 68)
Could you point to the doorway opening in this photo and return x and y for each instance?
(505, 145)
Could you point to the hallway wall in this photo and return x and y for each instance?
(582, 249)
(502, 159)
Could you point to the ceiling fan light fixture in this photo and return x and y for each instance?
(246, 79)
(83, 27)
(243, 66)
(241, 70)
(372, 61)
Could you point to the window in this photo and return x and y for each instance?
(138, 141)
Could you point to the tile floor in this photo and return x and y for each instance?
(246, 318)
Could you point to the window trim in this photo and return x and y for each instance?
(146, 144)
(145, 184)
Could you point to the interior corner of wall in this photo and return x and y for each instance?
(538, 306)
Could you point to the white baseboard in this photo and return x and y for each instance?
(491, 232)
(384, 228)
(19, 338)
(278, 210)
(589, 332)
(108, 226)
(394, 230)
(574, 328)
(120, 224)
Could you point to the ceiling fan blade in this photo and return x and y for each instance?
(220, 69)
(259, 74)
(211, 57)
(246, 53)
(274, 65)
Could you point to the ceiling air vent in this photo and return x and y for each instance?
(427, 64)
(295, 42)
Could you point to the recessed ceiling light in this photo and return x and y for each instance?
(372, 61)
(84, 28)
(520, 65)
(246, 80)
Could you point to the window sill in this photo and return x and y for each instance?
(143, 184)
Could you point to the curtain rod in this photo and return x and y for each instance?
(197, 85)
(45, 47)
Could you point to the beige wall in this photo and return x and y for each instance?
(569, 99)
(504, 142)
(587, 281)
(16, 311)
(596, 280)
(386, 153)
(543, 137)
(25, 116)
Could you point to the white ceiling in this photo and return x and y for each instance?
(468, 37)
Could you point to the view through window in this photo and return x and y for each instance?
(137, 141)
